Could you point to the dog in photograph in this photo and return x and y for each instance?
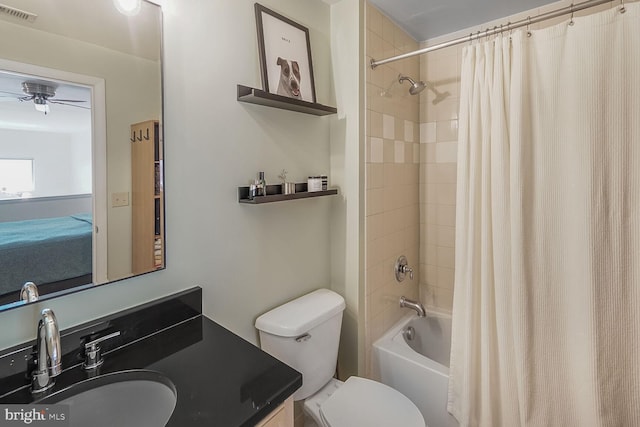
(289, 78)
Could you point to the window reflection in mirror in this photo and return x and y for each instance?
(16, 178)
(73, 92)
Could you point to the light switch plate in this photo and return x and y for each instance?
(119, 199)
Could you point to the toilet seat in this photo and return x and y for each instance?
(363, 402)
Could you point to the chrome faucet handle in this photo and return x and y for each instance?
(402, 268)
(92, 352)
(409, 270)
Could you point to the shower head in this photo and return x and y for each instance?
(416, 87)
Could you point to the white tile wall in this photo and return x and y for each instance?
(399, 152)
(392, 210)
(428, 132)
(376, 150)
(388, 126)
(408, 131)
(446, 152)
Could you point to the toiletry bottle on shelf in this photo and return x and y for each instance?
(314, 183)
(261, 185)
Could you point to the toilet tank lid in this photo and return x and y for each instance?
(302, 314)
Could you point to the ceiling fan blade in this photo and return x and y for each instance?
(65, 100)
(70, 105)
(13, 94)
(26, 98)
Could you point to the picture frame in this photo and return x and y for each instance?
(285, 56)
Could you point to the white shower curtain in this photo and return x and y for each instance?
(546, 314)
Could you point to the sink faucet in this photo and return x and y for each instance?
(414, 305)
(49, 359)
(29, 292)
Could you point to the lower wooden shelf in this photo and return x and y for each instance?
(274, 194)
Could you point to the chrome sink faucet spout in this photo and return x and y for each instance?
(49, 359)
(414, 305)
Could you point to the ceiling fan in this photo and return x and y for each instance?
(43, 94)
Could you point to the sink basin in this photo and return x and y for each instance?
(127, 398)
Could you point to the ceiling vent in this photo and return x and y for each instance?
(17, 13)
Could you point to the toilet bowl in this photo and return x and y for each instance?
(361, 402)
(304, 333)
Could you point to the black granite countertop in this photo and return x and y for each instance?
(221, 379)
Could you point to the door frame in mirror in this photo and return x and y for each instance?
(98, 153)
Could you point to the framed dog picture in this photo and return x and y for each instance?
(285, 56)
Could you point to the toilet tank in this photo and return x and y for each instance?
(304, 334)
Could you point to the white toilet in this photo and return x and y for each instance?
(304, 333)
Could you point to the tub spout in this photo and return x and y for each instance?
(414, 305)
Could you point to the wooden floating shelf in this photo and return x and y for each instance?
(274, 194)
(257, 96)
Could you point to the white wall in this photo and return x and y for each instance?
(81, 160)
(55, 159)
(50, 207)
(247, 259)
(346, 169)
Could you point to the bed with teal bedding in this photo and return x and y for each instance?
(44, 251)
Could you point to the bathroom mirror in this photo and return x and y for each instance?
(81, 149)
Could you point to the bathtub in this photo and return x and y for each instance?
(418, 366)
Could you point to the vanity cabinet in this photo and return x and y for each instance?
(282, 416)
(147, 194)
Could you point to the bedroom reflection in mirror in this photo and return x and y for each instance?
(46, 220)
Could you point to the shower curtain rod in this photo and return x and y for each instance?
(495, 30)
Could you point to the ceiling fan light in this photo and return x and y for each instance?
(128, 7)
(41, 105)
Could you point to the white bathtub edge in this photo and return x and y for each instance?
(422, 380)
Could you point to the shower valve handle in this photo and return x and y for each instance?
(409, 270)
(402, 269)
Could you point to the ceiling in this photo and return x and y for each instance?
(96, 22)
(426, 19)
